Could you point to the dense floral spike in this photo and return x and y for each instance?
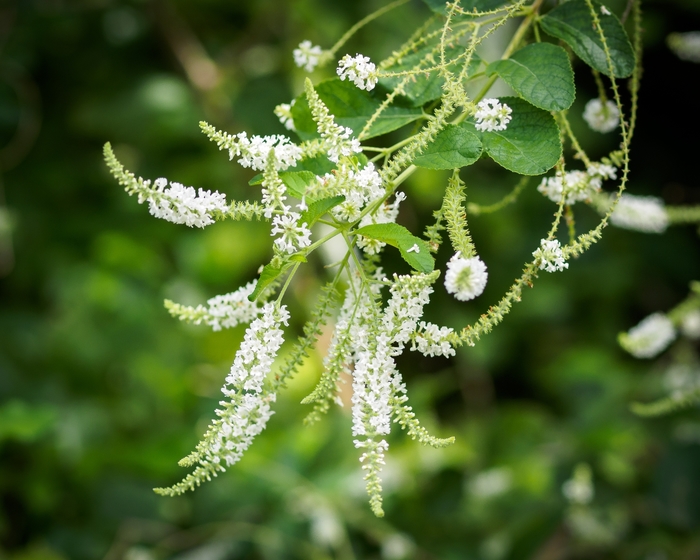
(359, 70)
(550, 256)
(338, 140)
(246, 413)
(465, 278)
(640, 213)
(492, 115)
(601, 117)
(254, 151)
(224, 311)
(431, 340)
(174, 203)
(650, 337)
(184, 205)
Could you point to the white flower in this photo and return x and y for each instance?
(601, 118)
(685, 45)
(576, 186)
(604, 11)
(492, 115)
(283, 111)
(294, 237)
(650, 337)
(307, 55)
(432, 340)
(550, 255)
(359, 70)
(690, 325)
(640, 213)
(602, 170)
(228, 310)
(184, 205)
(254, 151)
(573, 186)
(465, 278)
(491, 483)
(579, 488)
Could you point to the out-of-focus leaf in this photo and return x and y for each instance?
(572, 23)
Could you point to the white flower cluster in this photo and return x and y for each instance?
(640, 213)
(579, 488)
(681, 378)
(465, 278)
(224, 311)
(359, 187)
(248, 411)
(359, 70)
(577, 185)
(685, 45)
(184, 205)
(338, 140)
(650, 337)
(601, 117)
(283, 112)
(492, 115)
(431, 340)
(550, 255)
(255, 151)
(307, 56)
(293, 237)
(690, 324)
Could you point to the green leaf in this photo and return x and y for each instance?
(530, 145)
(541, 74)
(572, 22)
(295, 181)
(438, 6)
(455, 146)
(268, 275)
(319, 165)
(422, 88)
(319, 208)
(399, 237)
(351, 107)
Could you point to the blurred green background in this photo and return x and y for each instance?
(101, 392)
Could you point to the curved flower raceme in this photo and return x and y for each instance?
(247, 411)
(184, 205)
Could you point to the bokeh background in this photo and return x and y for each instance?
(101, 392)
